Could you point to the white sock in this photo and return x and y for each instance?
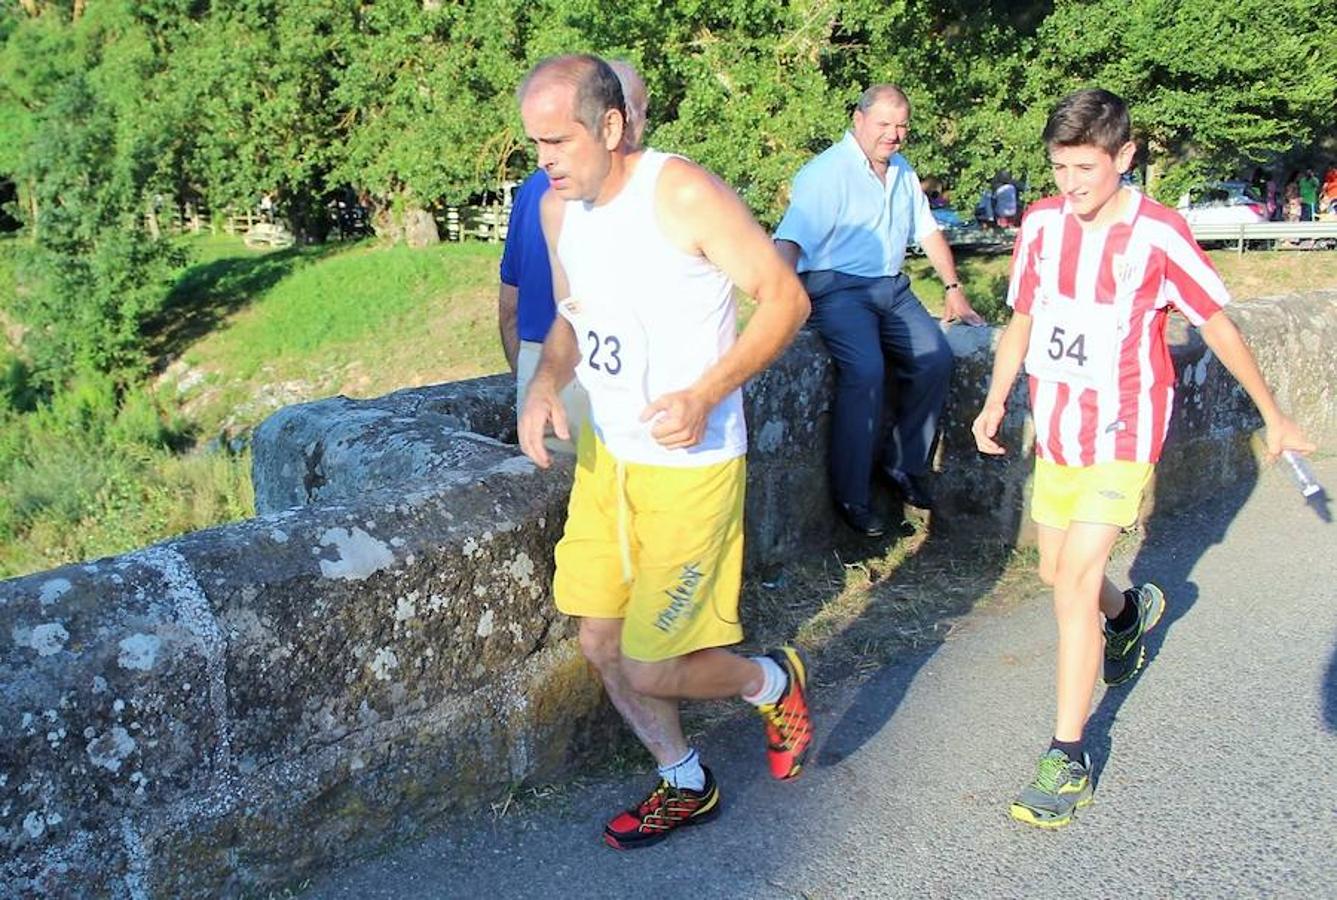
(772, 685)
(685, 773)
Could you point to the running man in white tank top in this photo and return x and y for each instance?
(646, 250)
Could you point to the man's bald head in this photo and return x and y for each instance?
(888, 92)
(633, 92)
(597, 87)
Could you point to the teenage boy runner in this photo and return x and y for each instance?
(1094, 273)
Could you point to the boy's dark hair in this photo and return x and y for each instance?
(1092, 116)
(597, 86)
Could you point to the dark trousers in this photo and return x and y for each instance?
(867, 323)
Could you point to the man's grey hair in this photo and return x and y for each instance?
(882, 92)
(633, 92)
(597, 86)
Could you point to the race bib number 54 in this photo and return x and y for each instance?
(1073, 342)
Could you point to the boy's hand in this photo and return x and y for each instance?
(986, 426)
(1284, 434)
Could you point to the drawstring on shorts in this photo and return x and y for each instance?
(623, 536)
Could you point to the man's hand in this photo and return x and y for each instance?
(1284, 434)
(956, 307)
(679, 419)
(542, 405)
(986, 426)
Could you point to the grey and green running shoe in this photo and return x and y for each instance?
(1124, 653)
(1061, 785)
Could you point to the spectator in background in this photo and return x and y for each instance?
(984, 209)
(1307, 185)
(525, 307)
(1293, 200)
(1258, 183)
(852, 211)
(1273, 197)
(1005, 206)
(1329, 199)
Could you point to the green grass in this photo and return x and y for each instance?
(1254, 274)
(98, 471)
(244, 332)
(95, 471)
(359, 321)
(983, 278)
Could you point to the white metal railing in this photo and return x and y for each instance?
(1265, 231)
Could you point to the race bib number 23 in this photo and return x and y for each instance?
(604, 352)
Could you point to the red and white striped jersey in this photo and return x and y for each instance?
(1101, 380)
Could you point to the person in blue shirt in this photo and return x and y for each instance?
(1005, 201)
(525, 307)
(853, 210)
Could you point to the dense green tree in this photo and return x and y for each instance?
(426, 94)
(84, 161)
(111, 110)
(1213, 86)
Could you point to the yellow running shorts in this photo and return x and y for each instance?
(659, 547)
(1104, 494)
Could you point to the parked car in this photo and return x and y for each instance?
(1222, 203)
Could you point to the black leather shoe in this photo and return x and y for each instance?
(912, 488)
(862, 519)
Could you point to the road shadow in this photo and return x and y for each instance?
(1329, 691)
(959, 561)
(1172, 546)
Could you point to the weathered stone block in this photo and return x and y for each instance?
(230, 710)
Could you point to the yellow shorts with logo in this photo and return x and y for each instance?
(1104, 494)
(659, 547)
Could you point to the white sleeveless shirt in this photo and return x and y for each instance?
(649, 318)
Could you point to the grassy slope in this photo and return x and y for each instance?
(364, 321)
(361, 322)
(246, 332)
(1253, 274)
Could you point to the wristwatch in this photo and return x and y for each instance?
(954, 284)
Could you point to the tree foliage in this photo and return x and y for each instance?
(107, 107)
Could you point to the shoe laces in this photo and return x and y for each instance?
(655, 802)
(1051, 773)
(785, 726)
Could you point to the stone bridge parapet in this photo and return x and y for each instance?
(231, 710)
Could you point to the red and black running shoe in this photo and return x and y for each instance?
(788, 725)
(665, 809)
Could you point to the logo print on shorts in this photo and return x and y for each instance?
(682, 597)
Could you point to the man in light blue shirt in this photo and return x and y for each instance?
(853, 210)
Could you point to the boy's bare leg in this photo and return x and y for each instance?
(1050, 541)
(1112, 599)
(1079, 589)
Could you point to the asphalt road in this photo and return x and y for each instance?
(1216, 767)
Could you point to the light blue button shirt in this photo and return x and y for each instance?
(843, 217)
